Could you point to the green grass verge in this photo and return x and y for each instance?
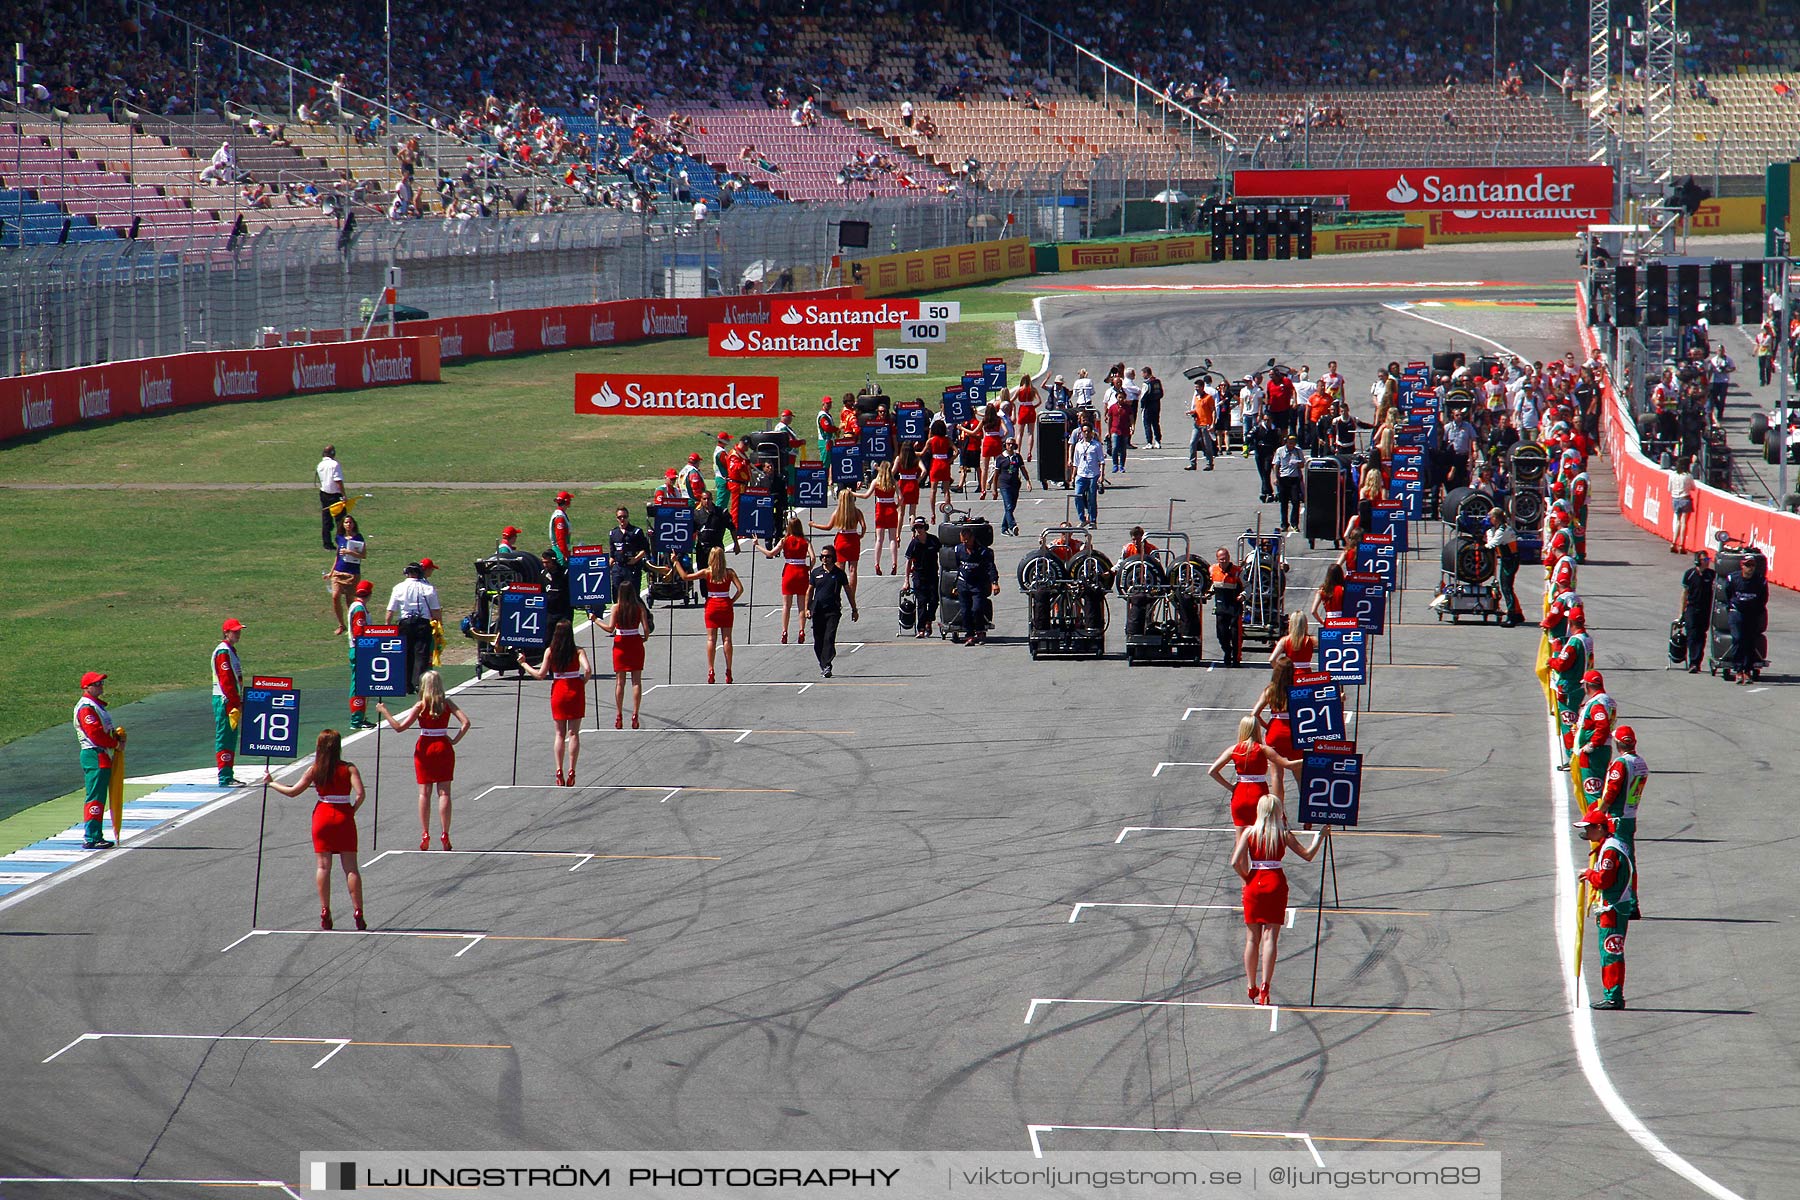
(136, 583)
(40, 821)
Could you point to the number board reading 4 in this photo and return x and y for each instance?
(524, 620)
(1330, 788)
(269, 726)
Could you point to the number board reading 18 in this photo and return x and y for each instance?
(590, 577)
(524, 621)
(269, 726)
(1330, 788)
(379, 661)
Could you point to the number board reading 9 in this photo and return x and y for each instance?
(378, 661)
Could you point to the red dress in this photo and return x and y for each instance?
(1302, 659)
(794, 575)
(1266, 891)
(848, 545)
(909, 487)
(887, 510)
(434, 758)
(568, 695)
(333, 817)
(938, 450)
(718, 603)
(628, 649)
(1280, 737)
(1252, 765)
(1334, 603)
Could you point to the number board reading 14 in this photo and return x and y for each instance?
(379, 662)
(1330, 785)
(590, 577)
(1343, 651)
(1315, 709)
(270, 723)
(523, 617)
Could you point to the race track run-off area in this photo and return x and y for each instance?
(955, 899)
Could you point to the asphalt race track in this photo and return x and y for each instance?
(951, 895)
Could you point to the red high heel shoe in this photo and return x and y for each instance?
(571, 780)
(619, 721)
(324, 918)
(425, 840)
(878, 568)
(634, 723)
(360, 923)
(1262, 997)
(445, 839)
(727, 674)
(559, 781)
(709, 675)
(1253, 993)
(784, 637)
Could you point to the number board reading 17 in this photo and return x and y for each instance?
(379, 662)
(524, 619)
(590, 577)
(269, 726)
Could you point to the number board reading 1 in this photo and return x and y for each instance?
(524, 621)
(269, 726)
(811, 487)
(590, 577)
(1330, 787)
(757, 512)
(1343, 651)
(671, 528)
(1365, 602)
(379, 661)
(846, 462)
(1315, 709)
(903, 361)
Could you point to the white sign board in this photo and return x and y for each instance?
(891, 360)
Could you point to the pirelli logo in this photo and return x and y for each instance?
(1107, 256)
(1363, 241)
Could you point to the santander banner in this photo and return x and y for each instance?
(869, 314)
(623, 395)
(1422, 188)
(1517, 220)
(787, 341)
(137, 387)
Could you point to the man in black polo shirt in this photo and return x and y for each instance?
(629, 549)
(825, 604)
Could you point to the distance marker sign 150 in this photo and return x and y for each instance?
(378, 661)
(269, 726)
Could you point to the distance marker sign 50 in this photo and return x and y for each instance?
(270, 723)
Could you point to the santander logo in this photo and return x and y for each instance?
(241, 382)
(392, 368)
(37, 414)
(606, 397)
(667, 324)
(321, 374)
(553, 333)
(154, 393)
(732, 342)
(1402, 192)
(792, 317)
(500, 339)
(602, 331)
(450, 345)
(94, 402)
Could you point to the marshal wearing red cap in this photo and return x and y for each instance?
(99, 739)
(1613, 900)
(227, 700)
(561, 536)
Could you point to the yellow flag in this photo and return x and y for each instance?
(347, 504)
(1581, 907)
(115, 790)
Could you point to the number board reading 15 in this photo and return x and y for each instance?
(269, 726)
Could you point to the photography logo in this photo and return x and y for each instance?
(332, 1177)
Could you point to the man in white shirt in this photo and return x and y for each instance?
(906, 113)
(331, 491)
(1088, 458)
(413, 605)
(223, 168)
(1250, 404)
(1083, 391)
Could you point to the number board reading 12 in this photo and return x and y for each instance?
(1330, 785)
(523, 618)
(379, 661)
(269, 726)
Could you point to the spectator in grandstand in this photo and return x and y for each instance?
(223, 167)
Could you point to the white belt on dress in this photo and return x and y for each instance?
(1253, 779)
(1265, 864)
(344, 799)
(567, 675)
(434, 733)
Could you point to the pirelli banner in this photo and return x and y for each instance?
(930, 270)
(1144, 252)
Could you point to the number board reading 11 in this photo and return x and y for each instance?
(1330, 785)
(590, 577)
(524, 620)
(269, 726)
(379, 662)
